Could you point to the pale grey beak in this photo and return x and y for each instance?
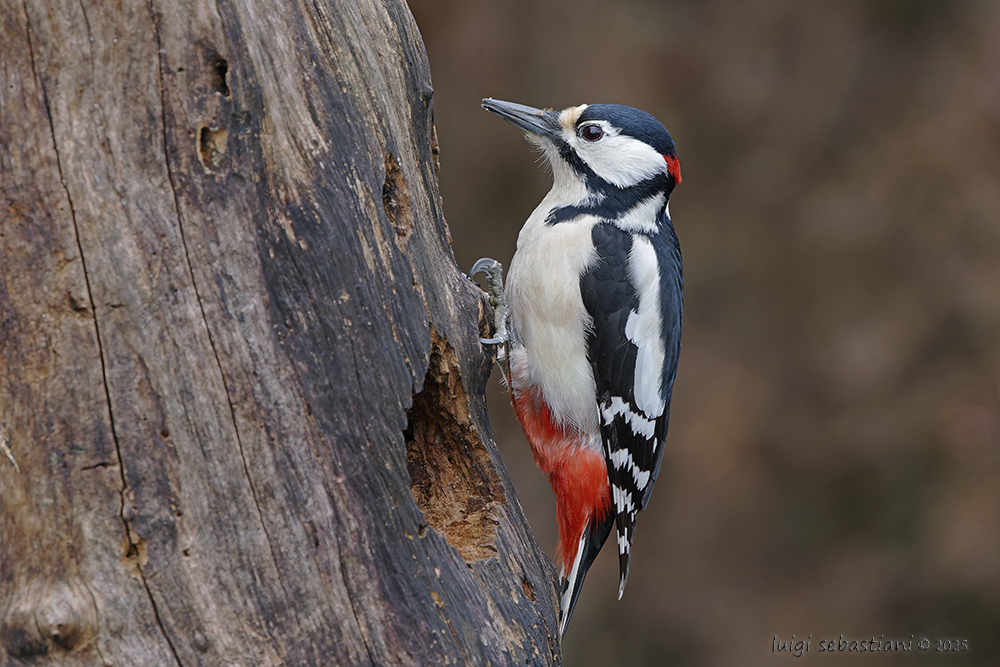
(543, 122)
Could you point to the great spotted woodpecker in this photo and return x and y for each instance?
(594, 294)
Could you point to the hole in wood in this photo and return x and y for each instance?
(220, 68)
(65, 635)
(134, 555)
(396, 200)
(211, 146)
(452, 477)
(528, 588)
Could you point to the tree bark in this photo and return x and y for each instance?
(241, 403)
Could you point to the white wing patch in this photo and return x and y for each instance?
(644, 327)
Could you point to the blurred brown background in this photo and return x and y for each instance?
(834, 458)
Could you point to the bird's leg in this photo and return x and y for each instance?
(493, 270)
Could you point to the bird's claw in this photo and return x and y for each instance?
(485, 265)
(493, 270)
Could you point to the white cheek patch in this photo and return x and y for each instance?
(620, 159)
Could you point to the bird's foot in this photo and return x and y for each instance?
(493, 270)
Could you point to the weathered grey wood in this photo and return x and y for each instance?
(232, 336)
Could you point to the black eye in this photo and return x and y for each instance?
(591, 132)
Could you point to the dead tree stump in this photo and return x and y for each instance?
(241, 390)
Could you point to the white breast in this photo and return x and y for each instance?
(543, 293)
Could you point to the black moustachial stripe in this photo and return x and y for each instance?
(610, 202)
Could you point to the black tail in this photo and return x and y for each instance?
(591, 540)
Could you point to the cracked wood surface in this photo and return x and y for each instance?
(232, 336)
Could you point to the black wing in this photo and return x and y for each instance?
(633, 415)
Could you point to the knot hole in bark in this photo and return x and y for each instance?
(219, 69)
(211, 146)
(44, 618)
(452, 476)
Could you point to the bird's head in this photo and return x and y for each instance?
(608, 147)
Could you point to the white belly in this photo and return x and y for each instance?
(543, 293)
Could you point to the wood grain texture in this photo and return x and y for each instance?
(233, 335)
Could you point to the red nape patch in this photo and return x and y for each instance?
(577, 473)
(674, 167)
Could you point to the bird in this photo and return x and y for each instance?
(590, 322)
